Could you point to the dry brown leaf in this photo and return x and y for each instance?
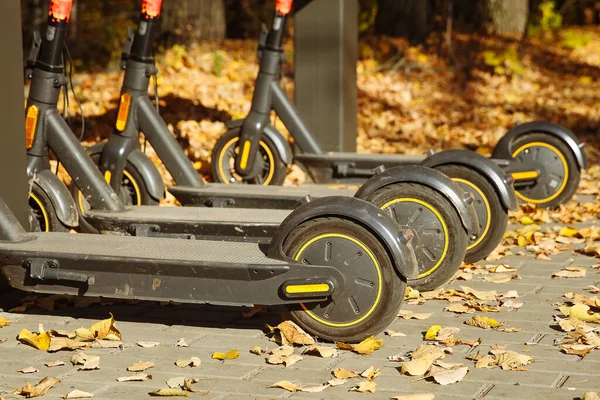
(366, 347)
(344, 374)
(511, 360)
(571, 272)
(316, 389)
(336, 382)
(140, 366)
(571, 323)
(370, 373)
(86, 362)
(148, 344)
(580, 350)
(407, 314)
(64, 343)
(78, 394)
(447, 377)
(84, 335)
(106, 329)
(479, 294)
(28, 370)
(482, 322)
(286, 360)
(365, 386)
(323, 351)
(230, 355)
(40, 341)
(459, 309)
(498, 269)
(291, 333)
(193, 362)
(38, 390)
(170, 393)
(289, 386)
(56, 363)
(135, 378)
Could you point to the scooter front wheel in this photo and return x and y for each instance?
(42, 214)
(492, 216)
(273, 169)
(439, 241)
(559, 172)
(373, 293)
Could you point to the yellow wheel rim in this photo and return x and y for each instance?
(136, 188)
(562, 160)
(441, 220)
(488, 211)
(263, 145)
(43, 210)
(379, 279)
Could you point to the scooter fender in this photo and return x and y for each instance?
(394, 239)
(62, 200)
(429, 177)
(273, 135)
(144, 166)
(492, 172)
(504, 147)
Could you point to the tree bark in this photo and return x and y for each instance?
(404, 18)
(507, 17)
(193, 20)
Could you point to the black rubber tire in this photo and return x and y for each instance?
(493, 222)
(42, 214)
(573, 172)
(392, 286)
(129, 195)
(223, 156)
(456, 241)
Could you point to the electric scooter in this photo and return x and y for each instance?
(544, 159)
(442, 224)
(339, 265)
(129, 171)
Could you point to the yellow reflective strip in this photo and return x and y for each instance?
(123, 112)
(30, 126)
(519, 176)
(311, 288)
(265, 148)
(245, 155)
(107, 176)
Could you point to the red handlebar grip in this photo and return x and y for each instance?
(284, 7)
(152, 8)
(60, 10)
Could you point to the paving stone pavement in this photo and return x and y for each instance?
(553, 375)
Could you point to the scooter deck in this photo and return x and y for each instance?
(253, 196)
(149, 268)
(253, 225)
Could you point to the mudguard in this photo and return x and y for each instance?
(282, 146)
(360, 212)
(144, 166)
(429, 177)
(62, 200)
(492, 172)
(504, 147)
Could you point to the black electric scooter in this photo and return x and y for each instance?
(442, 224)
(130, 171)
(544, 159)
(338, 265)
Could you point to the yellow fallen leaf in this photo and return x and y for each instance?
(416, 367)
(581, 312)
(367, 346)
(365, 386)
(38, 390)
(431, 333)
(411, 293)
(511, 360)
(140, 366)
(106, 329)
(230, 355)
(193, 362)
(482, 322)
(522, 241)
(340, 373)
(580, 350)
(287, 360)
(40, 341)
(170, 392)
(84, 335)
(291, 333)
(568, 231)
(590, 396)
(62, 343)
(526, 220)
(4, 322)
(323, 351)
(370, 373)
(289, 386)
(258, 351)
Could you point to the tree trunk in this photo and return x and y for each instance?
(193, 20)
(507, 17)
(404, 18)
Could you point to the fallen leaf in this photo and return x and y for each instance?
(176, 383)
(420, 396)
(508, 329)
(170, 392)
(40, 341)
(148, 344)
(290, 387)
(336, 382)
(344, 374)
(482, 322)
(501, 278)
(182, 343)
(447, 377)
(459, 309)
(370, 373)
(580, 350)
(570, 272)
(324, 351)
(316, 389)
(64, 343)
(78, 394)
(366, 347)
(258, 351)
(511, 360)
(498, 269)
(135, 378)
(140, 366)
(392, 333)
(86, 362)
(511, 294)
(84, 335)
(581, 312)
(568, 231)
(28, 370)
(193, 362)
(513, 305)
(230, 355)
(291, 333)
(56, 363)
(407, 314)
(590, 396)
(4, 322)
(446, 365)
(107, 344)
(365, 386)
(416, 367)
(431, 333)
(286, 360)
(479, 294)
(38, 390)
(106, 329)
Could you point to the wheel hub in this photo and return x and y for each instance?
(362, 287)
(553, 167)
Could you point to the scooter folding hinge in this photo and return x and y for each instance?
(33, 54)
(43, 269)
(127, 48)
(146, 230)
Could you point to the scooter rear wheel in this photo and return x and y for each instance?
(559, 170)
(373, 293)
(42, 214)
(273, 168)
(440, 242)
(493, 217)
